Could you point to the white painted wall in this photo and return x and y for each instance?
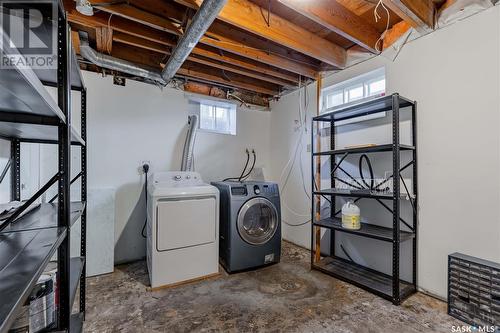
(139, 122)
(454, 74)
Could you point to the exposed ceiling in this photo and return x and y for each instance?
(256, 48)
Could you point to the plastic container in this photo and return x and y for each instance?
(351, 216)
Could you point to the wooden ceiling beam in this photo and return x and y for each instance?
(394, 33)
(229, 44)
(237, 46)
(214, 91)
(420, 14)
(249, 16)
(104, 39)
(228, 80)
(117, 24)
(166, 9)
(229, 58)
(75, 41)
(141, 16)
(136, 29)
(145, 58)
(208, 58)
(238, 70)
(229, 35)
(339, 19)
(150, 59)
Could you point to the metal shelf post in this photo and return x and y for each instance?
(64, 145)
(83, 240)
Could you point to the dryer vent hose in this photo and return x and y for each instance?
(188, 152)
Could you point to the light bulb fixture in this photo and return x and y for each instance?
(84, 7)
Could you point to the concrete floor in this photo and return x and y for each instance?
(286, 297)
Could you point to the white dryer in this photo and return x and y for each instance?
(182, 228)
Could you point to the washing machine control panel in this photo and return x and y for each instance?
(239, 190)
(257, 189)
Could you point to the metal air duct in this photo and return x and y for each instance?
(202, 20)
(109, 62)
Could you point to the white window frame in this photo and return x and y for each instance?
(364, 79)
(231, 116)
(343, 87)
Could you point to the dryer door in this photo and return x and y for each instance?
(185, 222)
(257, 221)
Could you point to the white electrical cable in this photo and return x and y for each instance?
(378, 17)
(299, 145)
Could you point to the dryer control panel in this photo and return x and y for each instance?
(177, 178)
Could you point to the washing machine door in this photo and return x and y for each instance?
(257, 221)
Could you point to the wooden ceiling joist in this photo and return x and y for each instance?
(249, 47)
(339, 19)
(242, 62)
(227, 79)
(208, 58)
(150, 59)
(143, 17)
(118, 24)
(248, 16)
(213, 91)
(104, 39)
(75, 41)
(420, 14)
(286, 79)
(395, 33)
(231, 45)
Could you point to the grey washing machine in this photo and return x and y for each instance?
(249, 225)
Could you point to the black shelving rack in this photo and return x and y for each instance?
(391, 287)
(28, 242)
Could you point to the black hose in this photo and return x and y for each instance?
(242, 172)
(370, 169)
(251, 169)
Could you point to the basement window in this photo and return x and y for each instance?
(358, 89)
(218, 117)
(362, 87)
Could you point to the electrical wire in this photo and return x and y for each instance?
(377, 18)
(289, 166)
(109, 37)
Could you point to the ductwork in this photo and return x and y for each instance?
(109, 62)
(202, 20)
(188, 152)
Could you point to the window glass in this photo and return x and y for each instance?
(355, 89)
(335, 98)
(207, 120)
(218, 117)
(376, 87)
(355, 93)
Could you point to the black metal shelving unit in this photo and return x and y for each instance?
(28, 113)
(390, 287)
